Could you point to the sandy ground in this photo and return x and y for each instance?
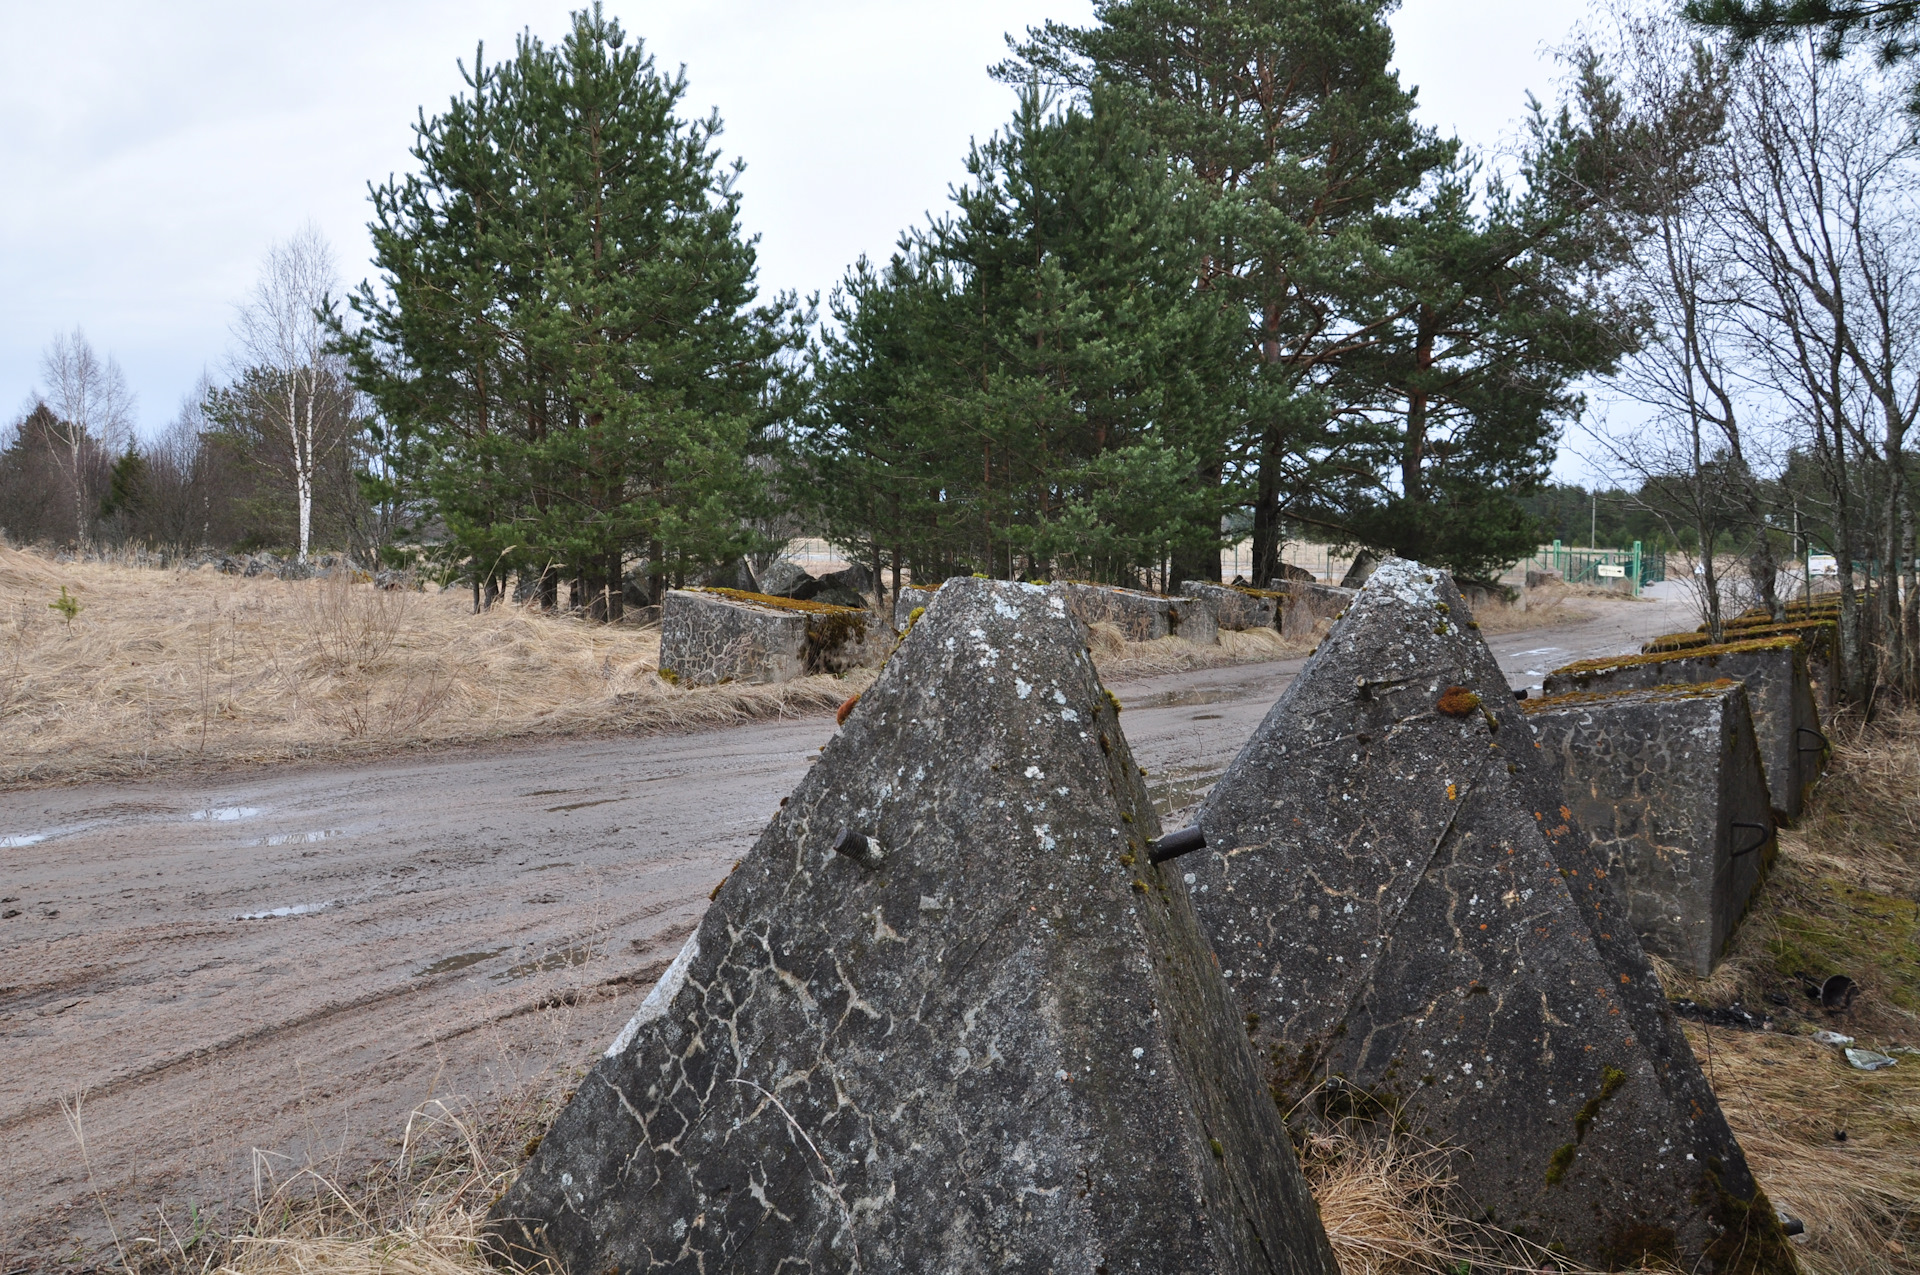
(226, 979)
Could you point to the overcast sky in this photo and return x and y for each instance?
(151, 153)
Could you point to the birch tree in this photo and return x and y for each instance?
(283, 335)
(92, 407)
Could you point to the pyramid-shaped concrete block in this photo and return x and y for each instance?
(1786, 718)
(945, 1016)
(1667, 784)
(1406, 912)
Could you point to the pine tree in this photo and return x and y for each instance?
(1489, 306)
(1025, 389)
(1287, 114)
(566, 344)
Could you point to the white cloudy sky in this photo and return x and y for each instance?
(151, 153)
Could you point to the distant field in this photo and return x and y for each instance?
(160, 669)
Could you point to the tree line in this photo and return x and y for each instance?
(1212, 278)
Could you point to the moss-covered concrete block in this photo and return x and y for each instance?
(1786, 720)
(1308, 603)
(1416, 927)
(1140, 617)
(945, 1016)
(709, 636)
(1821, 637)
(1667, 784)
(1238, 609)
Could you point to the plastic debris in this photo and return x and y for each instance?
(1832, 1038)
(1869, 1059)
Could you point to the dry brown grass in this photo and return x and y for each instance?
(1383, 1202)
(1121, 660)
(1786, 1097)
(162, 669)
(1545, 607)
(420, 1213)
(1840, 898)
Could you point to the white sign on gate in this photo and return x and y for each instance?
(1612, 571)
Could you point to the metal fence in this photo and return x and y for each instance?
(1640, 567)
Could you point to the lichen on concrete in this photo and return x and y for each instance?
(1786, 718)
(1309, 602)
(1667, 785)
(1415, 926)
(708, 636)
(1140, 617)
(1238, 609)
(992, 1039)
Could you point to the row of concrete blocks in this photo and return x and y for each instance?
(964, 1007)
(709, 636)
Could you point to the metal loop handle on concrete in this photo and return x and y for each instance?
(1820, 747)
(1766, 835)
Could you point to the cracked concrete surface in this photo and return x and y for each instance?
(1668, 787)
(1395, 891)
(997, 1041)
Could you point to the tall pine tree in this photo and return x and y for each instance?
(1288, 117)
(566, 340)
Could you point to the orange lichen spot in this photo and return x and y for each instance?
(840, 718)
(1458, 701)
(1451, 792)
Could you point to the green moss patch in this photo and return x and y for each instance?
(1590, 667)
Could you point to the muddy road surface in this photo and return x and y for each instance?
(218, 982)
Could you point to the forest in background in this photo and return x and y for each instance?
(1211, 281)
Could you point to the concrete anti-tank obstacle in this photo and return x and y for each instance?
(1821, 638)
(1238, 609)
(1667, 784)
(1308, 602)
(1412, 922)
(1142, 617)
(1786, 719)
(709, 636)
(946, 1015)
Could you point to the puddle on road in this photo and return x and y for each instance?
(1188, 699)
(298, 909)
(224, 814)
(459, 962)
(24, 839)
(562, 959)
(1180, 788)
(297, 838)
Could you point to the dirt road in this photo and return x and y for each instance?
(228, 979)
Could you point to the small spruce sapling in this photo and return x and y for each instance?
(66, 604)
